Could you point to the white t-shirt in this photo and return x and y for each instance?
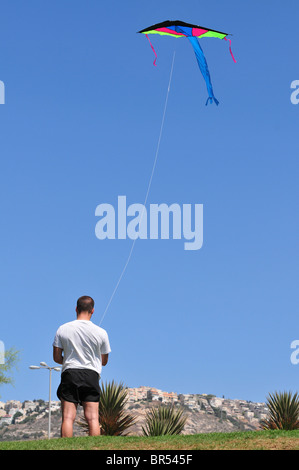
(82, 342)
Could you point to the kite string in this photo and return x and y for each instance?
(147, 192)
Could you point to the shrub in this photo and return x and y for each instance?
(283, 411)
(113, 417)
(164, 421)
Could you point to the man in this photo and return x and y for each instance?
(82, 348)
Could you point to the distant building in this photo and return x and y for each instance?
(30, 405)
(7, 419)
(216, 402)
(10, 404)
(249, 415)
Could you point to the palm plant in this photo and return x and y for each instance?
(283, 411)
(164, 421)
(113, 418)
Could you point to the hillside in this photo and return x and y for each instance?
(205, 414)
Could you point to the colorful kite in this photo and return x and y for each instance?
(178, 29)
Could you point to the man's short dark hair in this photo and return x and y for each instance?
(85, 304)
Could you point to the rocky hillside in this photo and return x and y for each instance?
(197, 422)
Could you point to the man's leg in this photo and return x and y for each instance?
(91, 413)
(69, 411)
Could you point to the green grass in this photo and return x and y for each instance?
(255, 440)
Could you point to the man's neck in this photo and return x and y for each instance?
(84, 316)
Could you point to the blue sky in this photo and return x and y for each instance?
(80, 127)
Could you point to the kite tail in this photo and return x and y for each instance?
(152, 49)
(230, 49)
(202, 63)
(211, 101)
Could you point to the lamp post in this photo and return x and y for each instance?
(43, 365)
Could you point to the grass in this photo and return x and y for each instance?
(255, 440)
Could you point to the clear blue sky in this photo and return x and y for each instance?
(80, 127)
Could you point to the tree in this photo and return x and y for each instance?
(11, 357)
(283, 411)
(16, 415)
(164, 421)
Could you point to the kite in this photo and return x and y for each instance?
(179, 29)
(176, 29)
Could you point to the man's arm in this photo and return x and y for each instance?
(104, 359)
(57, 355)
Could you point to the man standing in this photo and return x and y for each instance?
(82, 348)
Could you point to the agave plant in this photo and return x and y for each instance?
(113, 418)
(283, 411)
(164, 421)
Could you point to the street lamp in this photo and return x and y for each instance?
(43, 365)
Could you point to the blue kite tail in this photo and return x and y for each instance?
(211, 99)
(202, 63)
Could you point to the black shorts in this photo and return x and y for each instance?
(79, 385)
